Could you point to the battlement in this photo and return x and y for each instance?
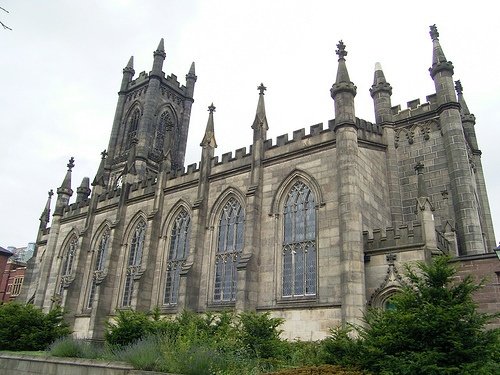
(415, 108)
(171, 81)
(147, 185)
(142, 77)
(297, 135)
(391, 238)
(76, 209)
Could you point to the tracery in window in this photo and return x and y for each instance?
(164, 124)
(177, 254)
(69, 257)
(133, 126)
(100, 258)
(229, 248)
(299, 242)
(134, 262)
(68, 260)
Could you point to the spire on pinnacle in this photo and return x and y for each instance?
(439, 61)
(260, 124)
(45, 217)
(161, 48)
(66, 184)
(158, 58)
(64, 192)
(209, 137)
(342, 82)
(192, 70)
(379, 81)
(99, 178)
(464, 110)
(83, 191)
(130, 66)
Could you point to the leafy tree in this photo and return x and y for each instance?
(435, 328)
(25, 327)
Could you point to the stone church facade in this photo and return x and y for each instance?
(313, 228)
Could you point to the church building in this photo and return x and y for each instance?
(314, 228)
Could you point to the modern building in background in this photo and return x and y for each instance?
(312, 227)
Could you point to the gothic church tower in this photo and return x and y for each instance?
(151, 121)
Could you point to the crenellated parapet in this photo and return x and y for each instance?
(405, 237)
(415, 110)
(394, 239)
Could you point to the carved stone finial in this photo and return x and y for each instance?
(104, 154)
(434, 32)
(211, 108)
(71, 164)
(51, 193)
(341, 52)
(458, 87)
(391, 258)
(261, 89)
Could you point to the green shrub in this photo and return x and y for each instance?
(75, 348)
(260, 334)
(25, 327)
(128, 326)
(435, 328)
(144, 354)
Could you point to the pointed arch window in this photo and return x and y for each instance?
(100, 259)
(134, 262)
(177, 255)
(133, 126)
(165, 124)
(70, 256)
(299, 242)
(68, 262)
(229, 248)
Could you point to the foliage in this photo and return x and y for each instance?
(25, 327)
(319, 370)
(435, 328)
(260, 334)
(75, 348)
(128, 326)
(144, 354)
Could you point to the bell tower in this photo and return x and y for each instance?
(151, 119)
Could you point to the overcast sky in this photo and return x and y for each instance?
(61, 68)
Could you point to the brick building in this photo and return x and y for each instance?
(313, 228)
(12, 280)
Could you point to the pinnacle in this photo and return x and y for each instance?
(161, 46)
(130, 63)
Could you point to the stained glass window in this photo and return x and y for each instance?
(69, 257)
(134, 261)
(229, 248)
(299, 242)
(178, 252)
(133, 125)
(100, 258)
(164, 124)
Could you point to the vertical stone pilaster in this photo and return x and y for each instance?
(468, 226)
(350, 218)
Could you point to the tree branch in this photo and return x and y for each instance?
(5, 27)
